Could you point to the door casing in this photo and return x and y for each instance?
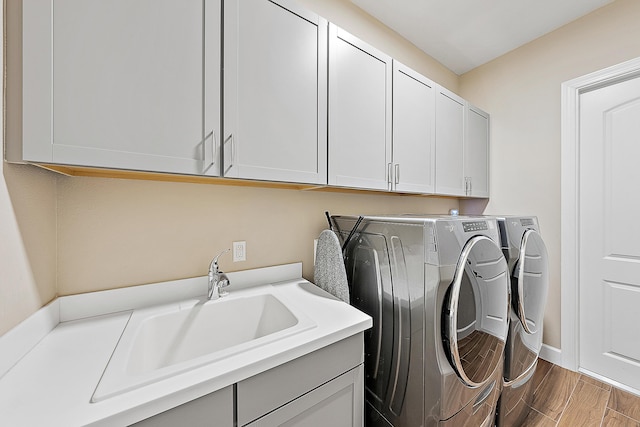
(570, 200)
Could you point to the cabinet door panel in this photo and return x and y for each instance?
(338, 403)
(477, 152)
(129, 84)
(260, 394)
(275, 92)
(413, 131)
(450, 113)
(359, 112)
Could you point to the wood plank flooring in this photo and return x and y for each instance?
(563, 398)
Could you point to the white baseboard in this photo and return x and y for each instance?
(554, 355)
(551, 354)
(611, 382)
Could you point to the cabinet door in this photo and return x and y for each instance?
(476, 155)
(215, 409)
(275, 92)
(338, 403)
(359, 113)
(267, 391)
(413, 131)
(450, 114)
(130, 84)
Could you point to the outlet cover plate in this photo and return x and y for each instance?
(239, 251)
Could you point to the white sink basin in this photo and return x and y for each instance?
(171, 338)
(163, 341)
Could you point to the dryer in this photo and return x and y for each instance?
(527, 260)
(437, 288)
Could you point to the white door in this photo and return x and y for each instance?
(275, 92)
(610, 232)
(359, 113)
(413, 131)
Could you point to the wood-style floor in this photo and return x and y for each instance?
(565, 398)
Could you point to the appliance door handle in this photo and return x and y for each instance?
(378, 331)
(532, 267)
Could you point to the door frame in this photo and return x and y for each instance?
(570, 200)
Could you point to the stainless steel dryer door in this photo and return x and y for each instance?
(476, 312)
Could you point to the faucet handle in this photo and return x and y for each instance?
(223, 282)
(214, 262)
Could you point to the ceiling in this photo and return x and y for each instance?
(463, 34)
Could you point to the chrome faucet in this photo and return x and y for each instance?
(217, 279)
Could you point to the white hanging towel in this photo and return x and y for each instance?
(329, 273)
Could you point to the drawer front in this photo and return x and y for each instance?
(338, 403)
(276, 387)
(213, 409)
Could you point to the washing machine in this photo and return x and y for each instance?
(527, 261)
(437, 288)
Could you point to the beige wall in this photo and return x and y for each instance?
(27, 237)
(522, 91)
(27, 242)
(116, 233)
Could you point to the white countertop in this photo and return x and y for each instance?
(53, 382)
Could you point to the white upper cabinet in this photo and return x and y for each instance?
(413, 131)
(476, 155)
(249, 89)
(275, 92)
(359, 113)
(126, 84)
(450, 130)
(462, 147)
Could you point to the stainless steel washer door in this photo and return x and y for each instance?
(532, 275)
(476, 312)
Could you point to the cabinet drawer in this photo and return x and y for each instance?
(265, 392)
(337, 403)
(213, 409)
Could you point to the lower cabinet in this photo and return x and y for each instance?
(323, 388)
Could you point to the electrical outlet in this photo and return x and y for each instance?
(239, 251)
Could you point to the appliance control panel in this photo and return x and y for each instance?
(468, 226)
(526, 222)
